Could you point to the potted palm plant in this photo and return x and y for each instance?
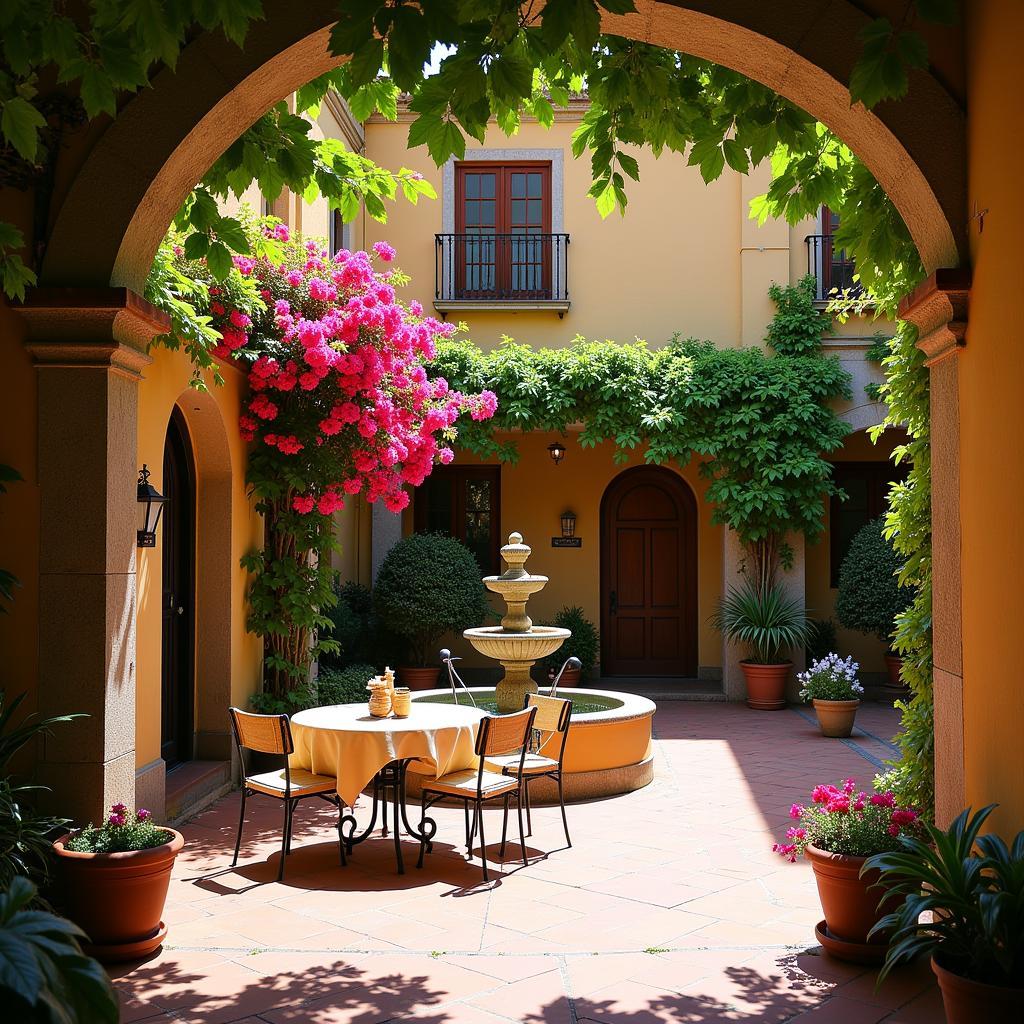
(428, 585)
(962, 901)
(831, 686)
(840, 829)
(767, 621)
(114, 879)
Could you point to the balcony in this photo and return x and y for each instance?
(831, 268)
(501, 272)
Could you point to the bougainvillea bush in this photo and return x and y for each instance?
(842, 819)
(339, 406)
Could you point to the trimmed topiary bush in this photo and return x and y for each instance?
(585, 642)
(870, 595)
(353, 626)
(343, 686)
(428, 585)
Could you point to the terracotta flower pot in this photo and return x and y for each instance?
(974, 1002)
(850, 905)
(835, 717)
(893, 664)
(570, 678)
(766, 685)
(419, 678)
(117, 899)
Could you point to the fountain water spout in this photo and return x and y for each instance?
(453, 676)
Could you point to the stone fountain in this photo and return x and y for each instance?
(517, 643)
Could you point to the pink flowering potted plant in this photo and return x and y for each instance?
(114, 879)
(831, 686)
(837, 833)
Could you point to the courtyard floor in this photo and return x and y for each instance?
(670, 906)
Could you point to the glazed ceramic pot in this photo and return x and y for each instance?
(850, 905)
(380, 700)
(118, 899)
(401, 702)
(766, 685)
(419, 678)
(974, 1002)
(835, 717)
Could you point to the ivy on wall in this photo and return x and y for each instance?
(761, 424)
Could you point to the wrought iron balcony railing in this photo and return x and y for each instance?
(502, 268)
(831, 268)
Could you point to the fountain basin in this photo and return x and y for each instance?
(608, 751)
(538, 643)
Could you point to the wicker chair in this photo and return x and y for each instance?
(503, 735)
(552, 722)
(272, 734)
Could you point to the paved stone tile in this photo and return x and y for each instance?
(670, 906)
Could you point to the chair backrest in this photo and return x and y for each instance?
(552, 712)
(267, 734)
(504, 734)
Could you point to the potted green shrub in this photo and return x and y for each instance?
(831, 686)
(428, 585)
(870, 595)
(767, 621)
(837, 832)
(44, 976)
(971, 890)
(114, 879)
(585, 643)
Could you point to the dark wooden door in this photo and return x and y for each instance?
(178, 543)
(649, 575)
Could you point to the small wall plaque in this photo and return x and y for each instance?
(567, 542)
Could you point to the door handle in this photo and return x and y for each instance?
(181, 610)
(613, 599)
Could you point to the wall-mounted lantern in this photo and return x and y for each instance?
(151, 503)
(568, 523)
(557, 451)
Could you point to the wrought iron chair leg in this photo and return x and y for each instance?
(504, 828)
(465, 808)
(472, 832)
(284, 840)
(561, 803)
(526, 790)
(397, 794)
(522, 838)
(423, 819)
(291, 824)
(241, 821)
(340, 804)
(479, 812)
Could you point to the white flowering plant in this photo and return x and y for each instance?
(831, 678)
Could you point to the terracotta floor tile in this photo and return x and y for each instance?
(841, 1010)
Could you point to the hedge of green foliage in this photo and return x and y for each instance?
(428, 585)
(343, 686)
(870, 593)
(585, 642)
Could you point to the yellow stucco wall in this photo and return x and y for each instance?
(220, 458)
(992, 430)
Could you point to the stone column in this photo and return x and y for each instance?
(89, 348)
(938, 308)
(386, 533)
(793, 579)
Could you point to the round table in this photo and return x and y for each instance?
(346, 741)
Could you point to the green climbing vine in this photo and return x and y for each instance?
(761, 424)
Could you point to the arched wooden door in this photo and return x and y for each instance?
(648, 575)
(177, 725)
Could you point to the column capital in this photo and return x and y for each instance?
(91, 327)
(937, 307)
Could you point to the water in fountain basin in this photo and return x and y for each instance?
(582, 704)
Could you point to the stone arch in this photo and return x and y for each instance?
(165, 137)
(214, 572)
(862, 417)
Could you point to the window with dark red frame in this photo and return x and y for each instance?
(463, 502)
(503, 242)
(866, 485)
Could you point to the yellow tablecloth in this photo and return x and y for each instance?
(346, 741)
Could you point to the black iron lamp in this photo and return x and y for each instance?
(151, 503)
(568, 523)
(557, 451)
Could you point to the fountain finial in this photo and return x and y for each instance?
(515, 553)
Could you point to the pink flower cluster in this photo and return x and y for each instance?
(337, 378)
(842, 815)
(119, 815)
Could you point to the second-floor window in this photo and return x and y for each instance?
(830, 265)
(503, 242)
